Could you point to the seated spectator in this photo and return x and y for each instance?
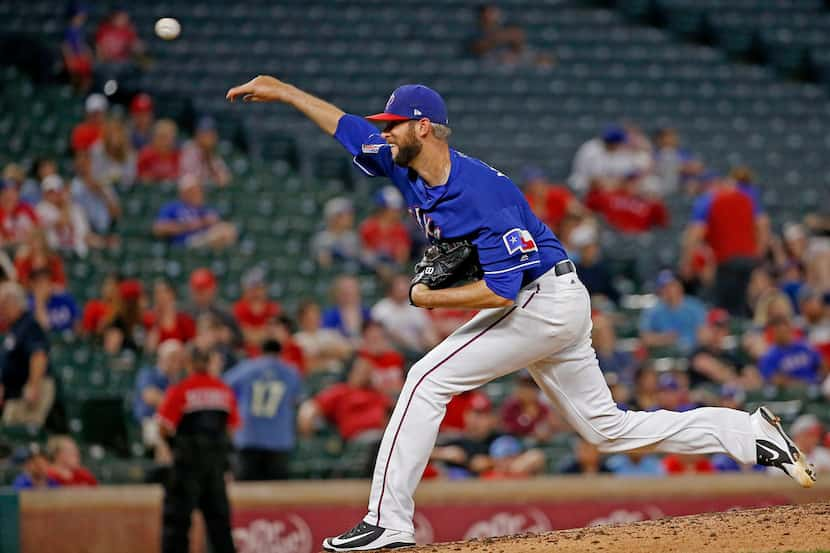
(17, 218)
(510, 460)
(612, 358)
(116, 40)
(281, 328)
(524, 414)
(27, 389)
(406, 326)
(357, 410)
(729, 221)
(676, 318)
(75, 51)
(30, 190)
(164, 321)
(96, 198)
(123, 329)
(602, 162)
(13, 174)
(503, 44)
(150, 385)
(268, 393)
(673, 393)
(142, 120)
(66, 468)
(338, 243)
(201, 158)
(815, 319)
(98, 311)
(673, 164)
(324, 349)
(348, 314)
(159, 160)
(645, 389)
(790, 360)
(54, 311)
(591, 268)
(189, 222)
(386, 363)
(452, 425)
(113, 160)
(626, 208)
(818, 247)
(676, 464)
(585, 459)
(384, 235)
(67, 228)
(254, 309)
(216, 340)
(711, 362)
(35, 475)
(204, 301)
(807, 433)
(635, 464)
(35, 254)
(89, 131)
(550, 202)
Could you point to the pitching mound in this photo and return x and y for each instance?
(803, 527)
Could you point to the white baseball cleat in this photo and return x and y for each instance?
(367, 537)
(776, 449)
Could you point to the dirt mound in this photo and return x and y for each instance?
(804, 527)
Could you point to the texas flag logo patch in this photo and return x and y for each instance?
(519, 240)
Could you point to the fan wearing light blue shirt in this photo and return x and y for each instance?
(268, 392)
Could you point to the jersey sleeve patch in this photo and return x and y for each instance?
(519, 240)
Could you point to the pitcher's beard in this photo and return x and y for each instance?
(406, 154)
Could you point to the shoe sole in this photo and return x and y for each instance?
(801, 471)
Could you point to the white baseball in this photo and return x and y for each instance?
(168, 28)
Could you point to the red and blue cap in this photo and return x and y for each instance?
(413, 101)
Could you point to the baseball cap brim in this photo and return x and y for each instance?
(386, 117)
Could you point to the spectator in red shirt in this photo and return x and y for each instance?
(89, 131)
(282, 328)
(66, 466)
(384, 234)
(142, 120)
(98, 311)
(453, 423)
(116, 40)
(165, 321)
(357, 410)
(17, 218)
(254, 309)
(626, 208)
(77, 56)
(550, 202)
(727, 218)
(159, 160)
(386, 363)
(524, 414)
(35, 254)
(687, 464)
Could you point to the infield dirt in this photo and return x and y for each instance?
(804, 527)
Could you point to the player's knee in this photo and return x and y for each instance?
(605, 428)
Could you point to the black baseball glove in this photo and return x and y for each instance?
(447, 264)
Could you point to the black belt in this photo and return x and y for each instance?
(564, 267)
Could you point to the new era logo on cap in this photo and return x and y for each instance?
(413, 101)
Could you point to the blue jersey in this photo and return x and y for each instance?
(267, 392)
(477, 202)
(796, 360)
(61, 310)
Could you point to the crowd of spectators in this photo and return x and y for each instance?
(745, 309)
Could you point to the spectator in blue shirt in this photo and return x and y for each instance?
(55, 311)
(675, 320)
(635, 464)
(268, 392)
(348, 313)
(150, 386)
(35, 470)
(789, 360)
(189, 222)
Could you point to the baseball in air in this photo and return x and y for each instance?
(168, 28)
